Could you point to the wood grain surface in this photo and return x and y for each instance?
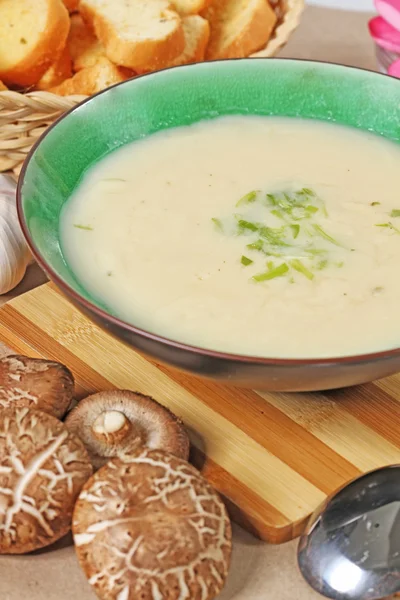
(274, 457)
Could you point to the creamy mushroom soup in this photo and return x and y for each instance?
(270, 237)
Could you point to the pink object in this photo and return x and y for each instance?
(394, 69)
(384, 34)
(390, 11)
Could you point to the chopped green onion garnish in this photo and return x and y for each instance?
(318, 229)
(85, 227)
(258, 245)
(395, 213)
(298, 213)
(339, 264)
(273, 236)
(247, 225)
(277, 242)
(246, 261)
(315, 251)
(389, 226)
(298, 266)
(308, 192)
(247, 198)
(217, 223)
(322, 264)
(277, 213)
(113, 179)
(375, 203)
(272, 273)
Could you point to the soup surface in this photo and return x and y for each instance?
(270, 237)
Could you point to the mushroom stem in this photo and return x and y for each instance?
(111, 425)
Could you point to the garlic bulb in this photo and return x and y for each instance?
(14, 252)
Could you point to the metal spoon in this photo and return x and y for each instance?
(351, 547)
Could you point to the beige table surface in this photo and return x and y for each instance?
(259, 571)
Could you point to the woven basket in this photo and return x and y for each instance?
(24, 117)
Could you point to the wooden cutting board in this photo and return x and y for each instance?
(274, 457)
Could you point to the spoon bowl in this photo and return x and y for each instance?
(351, 547)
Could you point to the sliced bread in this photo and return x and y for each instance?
(197, 32)
(60, 70)
(84, 47)
(139, 35)
(32, 33)
(190, 7)
(71, 5)
(93, 79)
(238, 27)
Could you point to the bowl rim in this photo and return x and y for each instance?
(153, 337)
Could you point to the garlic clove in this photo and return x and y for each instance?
(14, 252)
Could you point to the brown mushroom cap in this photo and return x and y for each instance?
(118, 422)
(43, 467)
(150, 527)
(32, 382)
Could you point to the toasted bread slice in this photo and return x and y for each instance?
(197, 33)
(238, 27)
(142, 36)
(3, 87)
(71, 5)
(190, 7)
(93, 79)
(60, 70)
(84, 47)
(32, 33)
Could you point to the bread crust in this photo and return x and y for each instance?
(141, 55)
(60, 70)
(71, 5)
(84, 47)
(92, 79)
(190, 7)
(256, 30)
(199, 28)
(28, 71)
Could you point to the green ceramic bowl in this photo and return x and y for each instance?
(181, 96)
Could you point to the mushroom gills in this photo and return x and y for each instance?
(118, 423)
